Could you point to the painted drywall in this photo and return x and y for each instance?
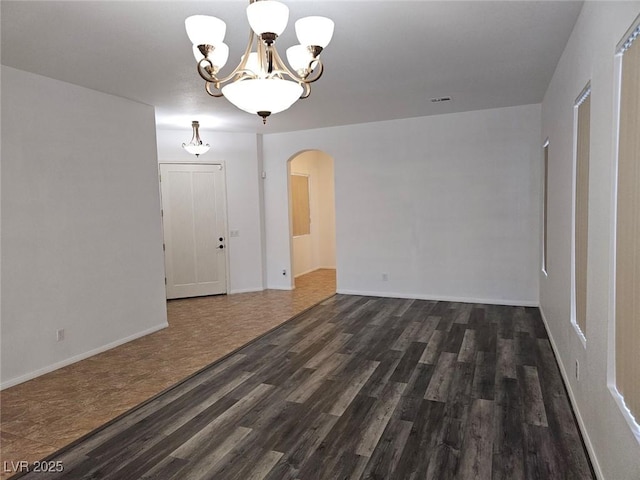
(81, 236)
(316, 250)
(238, 152)
(589, 56)
(447, 206)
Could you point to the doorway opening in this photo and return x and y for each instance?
(312, 219)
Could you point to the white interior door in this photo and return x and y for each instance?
(194, 222)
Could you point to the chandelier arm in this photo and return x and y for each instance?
(281, 66)
(319, 70)
(216, 85)
(306, 92)
(263, 60)
(203, 70)
(242, 66)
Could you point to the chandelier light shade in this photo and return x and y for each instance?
(261, 83)
(205, 30)
(300, 58)
(195, 146)
(263, 96)
(314, 31)
(268, 16)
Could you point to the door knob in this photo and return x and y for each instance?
(221, 239)
(220, 246)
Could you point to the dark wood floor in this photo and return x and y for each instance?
(358, 388)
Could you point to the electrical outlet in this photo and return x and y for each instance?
(385, 277)
(234, 233)
(577, 370)
(60, 335)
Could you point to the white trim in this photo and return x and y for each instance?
(227, 234)
(280, 288)
(584, 94)
(626, 413)
(574, 405)
(315, 269)
(79, 357)
(611, 341)
(305, 272)
(574, 181)
(246, 290)
(545, 208)
(443, 298)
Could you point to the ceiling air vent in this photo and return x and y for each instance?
(440, 99)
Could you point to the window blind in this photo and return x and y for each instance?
(582, 208)
(627, 301)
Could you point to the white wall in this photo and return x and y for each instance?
(81, 236)
(589, 55)
(239, 153)
(447, 206)
(318, 249)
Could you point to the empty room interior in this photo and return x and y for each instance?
(307, 240)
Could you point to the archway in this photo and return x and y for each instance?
(312, 218)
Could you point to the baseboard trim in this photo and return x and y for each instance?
(246, 290)
(572, 399)
(444, 298)
(305, 272)
(280, 288)
(314, 270)
(76, 358)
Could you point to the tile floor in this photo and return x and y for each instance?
(43, 415)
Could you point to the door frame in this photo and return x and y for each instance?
(225, 218)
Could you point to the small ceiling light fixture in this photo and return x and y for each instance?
(195, 146)
(261, 83)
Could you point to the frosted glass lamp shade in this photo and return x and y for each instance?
(219, 56)
(316, 31)
(196, 149)
(268, 16)
(271, 95)
(299, 57)
(205, 30)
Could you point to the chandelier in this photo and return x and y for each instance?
(195, 146)
(261, 83)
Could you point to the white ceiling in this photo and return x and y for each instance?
(386, 60)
